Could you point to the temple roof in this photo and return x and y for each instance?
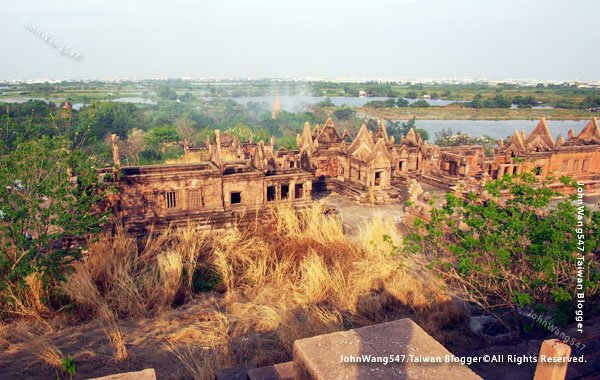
(329, 134)
(305, 140)
(381, 133)
(591, 133)
(380, 149)
(542, 132)
(515, 143)
(363, 138)
(412, 139)
(316, 131)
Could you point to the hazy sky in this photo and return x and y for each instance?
(524, 39)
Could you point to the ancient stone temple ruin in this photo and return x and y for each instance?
(578, 156)
(239, 180)
(235, 183)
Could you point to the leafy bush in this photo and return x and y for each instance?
(508, 249)
(420, 104)
(48, 202)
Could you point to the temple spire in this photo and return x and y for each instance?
(276, 106)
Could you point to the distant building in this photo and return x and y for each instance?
(362, 94)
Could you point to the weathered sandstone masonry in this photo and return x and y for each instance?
(239, 180)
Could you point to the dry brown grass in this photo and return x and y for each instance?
(291, 277)
(26, 302)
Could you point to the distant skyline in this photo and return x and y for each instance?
(508, 39)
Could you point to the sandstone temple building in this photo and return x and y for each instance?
(239, 180)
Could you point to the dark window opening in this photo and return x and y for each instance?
(233, 170)
(453, 168)
(401, 166)
(292, 164)
(298, 191)
(538, 170)
(236, 197)
(171, 199)
(270, 193)
(285, 191)
(514, 170)
(377, 178)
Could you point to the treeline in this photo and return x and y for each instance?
(400, 102)
(502, 101)
(587, 103)
(153, 127)
(498, 101)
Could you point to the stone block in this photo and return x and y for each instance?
(234, 373)
(146, 374)
(554, 368)
(411, 354)
(281, 371)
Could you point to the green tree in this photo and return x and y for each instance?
(507, 249)
(163, 134)
(49, 195)
(326, 103)
(166, 93)
(105, 118)
(345, 113)
(401, 102)
(420, 104)
(288, 142)
(242, 132)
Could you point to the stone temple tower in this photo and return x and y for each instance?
(276, 106)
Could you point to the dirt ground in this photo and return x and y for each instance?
(354, 214)
(88, 344)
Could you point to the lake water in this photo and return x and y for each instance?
(77, 106)
(498, 128)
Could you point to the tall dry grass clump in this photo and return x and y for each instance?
(291, 276)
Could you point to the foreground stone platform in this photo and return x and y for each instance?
(147, 374)
(327, 357)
